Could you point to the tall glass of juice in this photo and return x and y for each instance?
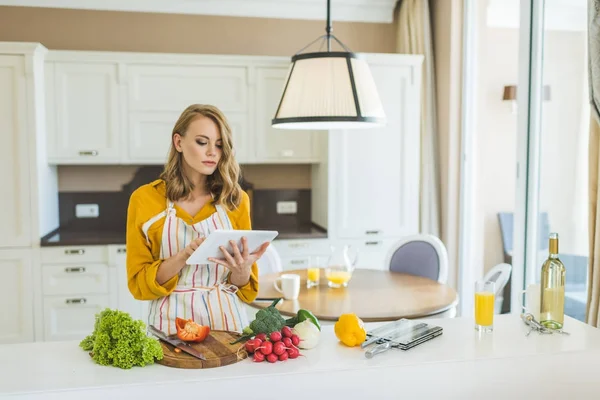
(484, 305)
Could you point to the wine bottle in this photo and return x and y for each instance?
(552, 311)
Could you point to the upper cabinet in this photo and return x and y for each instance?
(14, 159)
(374, 173)
(109, 108)
(278, 145)
(157, 95)
(83, 107)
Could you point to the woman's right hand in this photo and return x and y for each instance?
(185, 253)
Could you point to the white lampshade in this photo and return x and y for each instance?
(329, 90)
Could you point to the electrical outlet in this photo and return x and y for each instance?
(287, 207)
(87, 211)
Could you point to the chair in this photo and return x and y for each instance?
(270, 262)
(499, 275)
(420, 255)
(506, 221)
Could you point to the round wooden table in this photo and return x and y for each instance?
(372, 295)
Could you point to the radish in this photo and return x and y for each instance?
(261, 336)
(259, 357)
(252, 345)
(287, 341)
(266, 348)
(275, 336)
(272, 358)
(295, 340)
(283, 356)
(286, 331)
(292, 352)
(278, 348)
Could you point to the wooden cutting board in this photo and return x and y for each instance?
(215, 348)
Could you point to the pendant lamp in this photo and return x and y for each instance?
(329, 90)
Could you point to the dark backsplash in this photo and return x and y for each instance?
(113, 206)
(264, 210)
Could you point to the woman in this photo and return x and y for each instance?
(197, 193)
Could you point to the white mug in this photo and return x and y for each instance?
(532, 300)
(290, 286)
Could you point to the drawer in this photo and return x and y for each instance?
(74, 254)
(75, 279)
(306, 247)
(117, 255)
(290, 263)
(71, 317)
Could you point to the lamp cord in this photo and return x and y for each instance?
(328, 28)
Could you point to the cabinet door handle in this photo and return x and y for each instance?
(74, 269)
(297, 262)
(287, 153)
(75, 251)
(76, 301)
(296, 245)
(92, 153)
(372, 232)
(373, 243)
(121, 251)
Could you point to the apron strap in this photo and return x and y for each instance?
(170, 210)
(224, 217)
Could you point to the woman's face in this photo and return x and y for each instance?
(201, 146)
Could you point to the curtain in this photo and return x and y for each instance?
(593, 301)
(414, 37)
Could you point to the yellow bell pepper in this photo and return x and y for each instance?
(350, 330)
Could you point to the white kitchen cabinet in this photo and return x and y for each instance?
(374, 174)
(279, 145)
(158, 94)
(150, 136)
(16, 297)
(85, 113)
(71, 317)
(124, 300)
(76, 286)
(75, 279)
(14, 160)
(157, 88)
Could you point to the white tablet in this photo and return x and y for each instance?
(210, 247)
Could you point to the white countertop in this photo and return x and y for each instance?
(458, 364)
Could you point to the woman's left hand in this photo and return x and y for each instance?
(240, 262)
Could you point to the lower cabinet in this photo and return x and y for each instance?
(79, 282)
(124, 300)
(71, 317)
(16, 297)
(75, 287)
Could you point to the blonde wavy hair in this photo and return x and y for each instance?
(223, 184)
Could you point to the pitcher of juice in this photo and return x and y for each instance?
(340, 266)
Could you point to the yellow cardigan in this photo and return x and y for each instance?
(143, 259)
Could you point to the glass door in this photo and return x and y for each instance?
(558, 132)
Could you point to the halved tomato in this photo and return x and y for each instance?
(189, 331)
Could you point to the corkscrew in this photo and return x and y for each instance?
(534, 325)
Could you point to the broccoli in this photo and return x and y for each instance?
(267, 320)
(119, 340)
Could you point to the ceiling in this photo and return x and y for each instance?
(380, 11)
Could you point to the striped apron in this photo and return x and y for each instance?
(202, 292)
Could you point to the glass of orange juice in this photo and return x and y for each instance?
(338, 276)
(313, 273)
(484, 306)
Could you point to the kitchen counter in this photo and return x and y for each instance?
(66, 237)
(459, 364)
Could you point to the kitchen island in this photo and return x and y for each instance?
(459, 364)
